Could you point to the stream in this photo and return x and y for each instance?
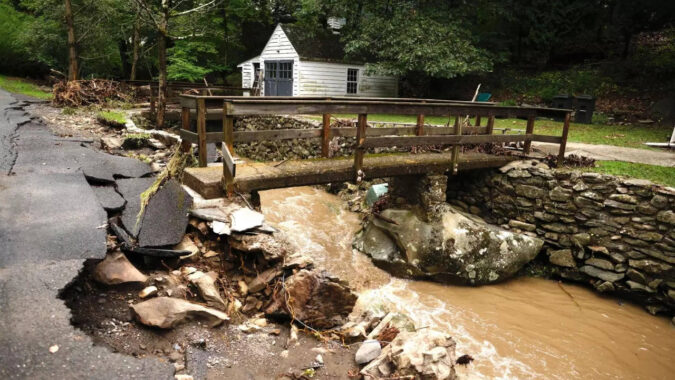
(522, 328)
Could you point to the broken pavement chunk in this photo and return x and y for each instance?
(220, 228)
(167, 312)
(131, 189)
(116, 269)
(109, 198)
(245, 219)
(165, 217)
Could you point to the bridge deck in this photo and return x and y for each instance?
(252, 176)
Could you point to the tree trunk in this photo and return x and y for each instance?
(161, 47)
(72, 48)
(225, 40)
(134, 42)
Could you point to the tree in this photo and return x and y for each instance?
(159, 14)
(72, 48)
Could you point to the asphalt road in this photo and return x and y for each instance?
(50, 222)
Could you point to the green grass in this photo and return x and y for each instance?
(632, 136)
(21, 86)
(114, 116)
(658, 174)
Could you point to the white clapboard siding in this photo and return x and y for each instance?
(330, 79)
(279, 47)
(247, 70)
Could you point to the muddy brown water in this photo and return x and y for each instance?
(523, 328)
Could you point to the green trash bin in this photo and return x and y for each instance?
(583, 109)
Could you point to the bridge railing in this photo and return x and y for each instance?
(366, 138)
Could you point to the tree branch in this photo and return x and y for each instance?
(195, 9)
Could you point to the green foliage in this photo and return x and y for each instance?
(192, 60)
(20, 86)
(68, 111)
(407, 40)
(659, 174)
(543, 86)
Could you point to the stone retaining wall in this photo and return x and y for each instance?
(616, 234)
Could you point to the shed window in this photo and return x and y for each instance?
(352, 81)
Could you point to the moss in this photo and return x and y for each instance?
(112, 116)
(135, 140)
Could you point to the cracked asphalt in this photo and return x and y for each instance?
(50, 223)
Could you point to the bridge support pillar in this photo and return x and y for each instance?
(426, 190)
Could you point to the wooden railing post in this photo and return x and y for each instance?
(528, 131)
(152, 100)
(186, 146)
(563, 143)
(490, 125)
(477, 120)
(229, 168)
(201, 131)
(325, 136)
(359, 151)
(419, 129)
(455, 148)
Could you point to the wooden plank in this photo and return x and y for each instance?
(186, 145)
(563, 140)
(189, 136)
(360, 151)
(380, 142)
(325, 136)
(201, 132)
(228, 126)
(229, 168)
(547, 139)
(528, 131)
(456, 148)
(490, 125)
(229, 165)
(276, 134)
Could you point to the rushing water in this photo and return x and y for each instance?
(523, 328)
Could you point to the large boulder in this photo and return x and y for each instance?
(425, 354)
(167, 312)
(452, 247)
(315, 298)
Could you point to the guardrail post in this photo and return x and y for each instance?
(563, 143)
(229, 169)
(455, 148)
(325, 136)
(528, 131)
(490, 125)
(186, 146)
(201, 131)
(358, 150)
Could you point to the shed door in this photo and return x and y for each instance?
(278, 78)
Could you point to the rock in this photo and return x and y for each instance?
(653, 267)
(369, 350)
(401, 321)
(165, 217)
(175, 356)
(624, 198)
(167, 312)
(109, 198)
(206, 286)
(522, 225)
(116, 269)
(666, 217)
(425, 354)
(605, 287)
(111, 142)
(183, 377)
(148, 292)
(220, 228)
(260, 282)
(619, 205)
(560, 194)
(600, 263)
(273, 247)
(186, 244)
(245, 219)
(531, 192)
(451, 247)
(316, 298)
(601, 274)
(131, 190)
(562, 257)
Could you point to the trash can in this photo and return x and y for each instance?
(584, 107)
(562, 101)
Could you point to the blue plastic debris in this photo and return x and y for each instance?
(375, 192)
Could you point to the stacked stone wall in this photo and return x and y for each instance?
(616, 234)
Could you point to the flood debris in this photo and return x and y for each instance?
(167, 312)
(246, 219)
(76, 93)
(314, 298)
(206, 285)
(425, 354)
(116, 269)
(148, 292)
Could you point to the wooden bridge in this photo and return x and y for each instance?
(213, 181)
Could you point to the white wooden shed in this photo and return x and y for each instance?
(296, 64)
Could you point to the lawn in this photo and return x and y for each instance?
(21, 86)
(658, 174)
(633, 136)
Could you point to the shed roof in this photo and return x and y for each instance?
(322, 45)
